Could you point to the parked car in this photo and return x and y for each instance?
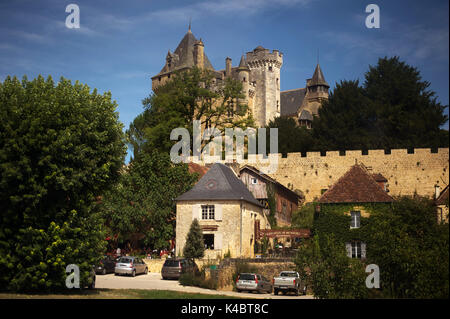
(288, 281)
(106, 265)
(173, 268)
(130, 265)
(253, 282)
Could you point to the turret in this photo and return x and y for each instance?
(317, 90)
(265, 69)
(228, 67)
(199, 54)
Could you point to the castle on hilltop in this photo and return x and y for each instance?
(259, 72)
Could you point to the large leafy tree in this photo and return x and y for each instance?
(394, 108)
(325, 268)
(291, 137)
(189, 95)
(411, 249)
(61, 146)
(141, 206)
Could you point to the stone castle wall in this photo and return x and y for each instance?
(406, 173)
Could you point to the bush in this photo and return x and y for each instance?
(198, 280)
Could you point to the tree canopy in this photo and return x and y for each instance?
(393, 108)
(61, 146)
(141, 207)
(188, 96)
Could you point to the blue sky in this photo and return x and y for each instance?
(121, 44)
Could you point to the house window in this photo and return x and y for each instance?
(254, 181)
(208, 212)
(356, 249)
(208, 240)
(356, 219)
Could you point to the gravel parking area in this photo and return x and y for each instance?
(154, 281)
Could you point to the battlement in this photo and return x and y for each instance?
(264, 56)
(407, 171)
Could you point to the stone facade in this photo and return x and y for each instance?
(233, 231)
(406, 173)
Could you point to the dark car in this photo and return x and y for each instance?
(106, 265)
(173, 268)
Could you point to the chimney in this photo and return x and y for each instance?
(228, 66)
(437, 191)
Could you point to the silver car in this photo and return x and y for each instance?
(130, 266)
(253, 282)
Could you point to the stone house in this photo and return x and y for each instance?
(442, 204)
(227, 213)
(260, 186)
(351, 200)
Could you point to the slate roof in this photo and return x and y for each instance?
(318, 78)
(443, 197)
(185, 54)
(356, 186)
(305, 115)
(269, 179)
(219, 183)
(290, 101)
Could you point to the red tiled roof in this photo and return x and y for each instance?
(196, 168)
(356, 186)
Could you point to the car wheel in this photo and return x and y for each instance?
(133, 274)
(275, 292)
(238, 290)
(116, 274)
(104, 271)
(296, 292)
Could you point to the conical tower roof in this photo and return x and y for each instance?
(318, 78)
(243, 63)
(185, 53)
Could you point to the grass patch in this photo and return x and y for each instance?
(116, 294)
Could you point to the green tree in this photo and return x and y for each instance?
(142, 202)
(194, 247)
(189, 95)
(411, 249)
(325, 268)
(393, 109)
(61, 146)
(291, 137)
(346, 120)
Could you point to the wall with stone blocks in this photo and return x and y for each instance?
(406, 173)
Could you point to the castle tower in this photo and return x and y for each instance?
(199, 54)
(316, 90)
(265, 74)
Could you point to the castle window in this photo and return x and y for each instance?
(245, 79)
(278, 106)
(270, 69)
(168, 76)
(159, 79)
(254, 181)
(278, 84)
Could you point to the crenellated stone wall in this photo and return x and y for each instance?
(406, 173)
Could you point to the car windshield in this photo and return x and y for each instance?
(172, 263)
(247, 277)
(125, 260)
(288, 274)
